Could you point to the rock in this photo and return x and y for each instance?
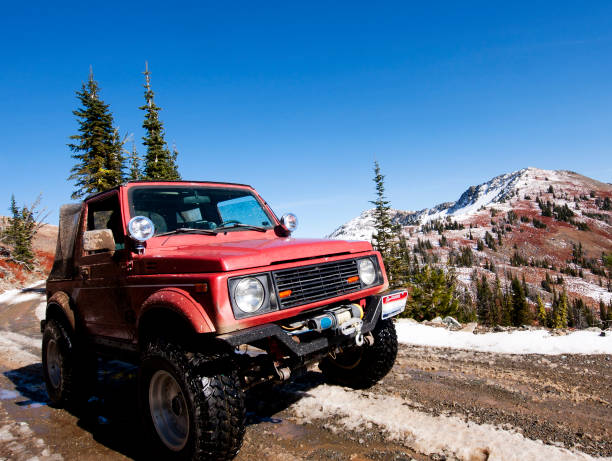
(451, 322)
(603, 333)
(437, 320)
(470, 327)
(498, 328)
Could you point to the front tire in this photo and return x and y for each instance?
(191, 407)
(362, 367)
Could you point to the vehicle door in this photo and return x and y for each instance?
(102, 274)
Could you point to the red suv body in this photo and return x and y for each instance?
(208, 267)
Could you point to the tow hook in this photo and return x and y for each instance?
(351, 326)
(359, 339)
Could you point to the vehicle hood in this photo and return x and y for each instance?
(191, 255)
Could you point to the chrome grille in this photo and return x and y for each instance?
(309, 284)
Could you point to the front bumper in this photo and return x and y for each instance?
(304, 348)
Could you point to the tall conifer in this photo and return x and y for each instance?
(98, 147)
(159, 163)
(385, 237)
(134, 173)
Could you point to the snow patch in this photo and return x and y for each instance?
(516, 342)
(12, 297)
(445, 435)
(13, 349)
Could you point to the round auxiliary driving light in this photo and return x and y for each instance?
(141, 228)
(290, 221)
(367, 271)
(249, 295)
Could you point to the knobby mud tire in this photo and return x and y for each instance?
(77, 369)
(213, 395)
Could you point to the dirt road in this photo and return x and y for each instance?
(436, 404)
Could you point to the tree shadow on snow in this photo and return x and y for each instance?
(112, 415)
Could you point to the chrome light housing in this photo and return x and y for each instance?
(141, 228)
(249, 295)
(290, 221)
(367, 271)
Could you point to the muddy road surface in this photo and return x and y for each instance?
(436, 404)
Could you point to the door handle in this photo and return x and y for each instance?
(84, 272)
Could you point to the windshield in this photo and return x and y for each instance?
(192, 207)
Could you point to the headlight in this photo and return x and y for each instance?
(367, 271)
(249, 294)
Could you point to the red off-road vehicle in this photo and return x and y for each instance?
(202, 286)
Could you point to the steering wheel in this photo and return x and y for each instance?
(230, 221)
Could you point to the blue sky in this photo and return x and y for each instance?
(298, 99)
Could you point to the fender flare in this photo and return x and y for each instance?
(62, 300)
(182, 303)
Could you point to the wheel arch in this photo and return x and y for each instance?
(172, 310)
(59, 308)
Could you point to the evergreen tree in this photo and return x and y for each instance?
(520, 309)
(433, 294)
(98, 148)
(22, 226)
(384, 238)
(603, 312)
(134, 174)
(159, 163)
(484, 302)
(560, 312)
(542, 317)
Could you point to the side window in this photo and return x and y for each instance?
(105, 214)
(244, 210)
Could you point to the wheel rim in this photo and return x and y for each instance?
(168, 410)
(54, 363)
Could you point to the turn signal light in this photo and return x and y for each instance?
(201, 287)
(284, 294)
(353, 279)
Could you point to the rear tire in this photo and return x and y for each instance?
(192, 407)
(69, 372)
(362, 367)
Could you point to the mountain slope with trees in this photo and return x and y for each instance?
(537, 235)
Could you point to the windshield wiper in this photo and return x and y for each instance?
(188, 230)
(241, 226)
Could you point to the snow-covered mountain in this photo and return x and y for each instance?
(498, 193)
(538, 224)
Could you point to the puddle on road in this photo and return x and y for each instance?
(289, 431)
(6, 394)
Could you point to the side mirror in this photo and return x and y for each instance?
(98, 240)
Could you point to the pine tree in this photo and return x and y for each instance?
(134, 174)
(159, 163)
(385, 237)
(484, 302)
(542, 317)
(23, 224)
(560, 312)
(520, 309)
(433, 294)
(98, 148)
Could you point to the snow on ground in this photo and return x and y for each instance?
(20, 295)
(516, 342)
(18, 441)
(14, 349)
(584, 288)
(442, 435)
